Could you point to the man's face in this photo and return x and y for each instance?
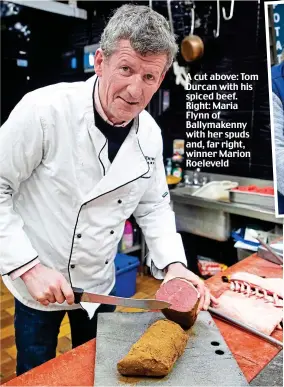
(128, 81)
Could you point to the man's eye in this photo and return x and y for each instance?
(149, 77)
(125, 68)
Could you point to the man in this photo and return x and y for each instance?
(278, 119)
(76, 161)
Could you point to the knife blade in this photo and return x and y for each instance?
(82, 296)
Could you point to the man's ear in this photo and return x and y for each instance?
(98, 61)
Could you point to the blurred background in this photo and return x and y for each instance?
(45, 42)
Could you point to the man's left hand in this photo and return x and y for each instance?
(178, 270)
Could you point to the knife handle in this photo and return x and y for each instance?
(78, 292)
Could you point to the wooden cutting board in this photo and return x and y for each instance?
(207, 360)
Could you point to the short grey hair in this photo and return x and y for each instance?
(147, 31)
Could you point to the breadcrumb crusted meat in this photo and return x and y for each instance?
(156, 352)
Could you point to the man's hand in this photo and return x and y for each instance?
(178, 270)
(47, 285)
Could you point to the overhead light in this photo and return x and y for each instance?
(22, 63)
(9, 9)
(18, 26)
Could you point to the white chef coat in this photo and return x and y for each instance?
(61, 199)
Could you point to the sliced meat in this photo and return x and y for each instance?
(184, 299)
(257, 312)
(271, 285)
(156, 352)
(254, 300)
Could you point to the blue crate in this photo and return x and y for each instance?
(126, 272)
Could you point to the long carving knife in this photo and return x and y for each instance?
(82, 296)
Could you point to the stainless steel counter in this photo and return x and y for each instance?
(212, 218)
(178, 195)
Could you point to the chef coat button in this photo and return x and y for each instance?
(72, 266)
(79, 235)
(106, 262)
(119, 201)
(112, 232)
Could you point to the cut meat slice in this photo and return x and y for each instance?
(184, 299)
(256, 312)
(254, 300)
(271, 285)
(156, 352)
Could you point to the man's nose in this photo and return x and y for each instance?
(135, 87)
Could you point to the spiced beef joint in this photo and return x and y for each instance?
(156, 352)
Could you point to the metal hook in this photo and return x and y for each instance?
(216, 32)
(231, 11)
(192, 20)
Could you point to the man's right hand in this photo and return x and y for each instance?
(47, 285)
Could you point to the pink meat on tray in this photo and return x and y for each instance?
(184, 299)
(254, 300)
